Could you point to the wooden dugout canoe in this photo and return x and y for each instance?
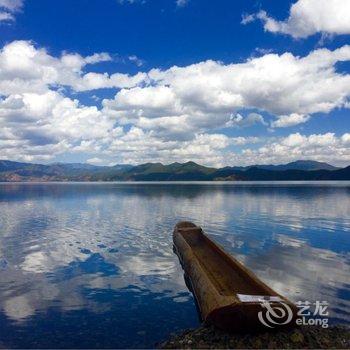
(228, 295)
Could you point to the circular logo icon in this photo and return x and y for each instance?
(275, 314)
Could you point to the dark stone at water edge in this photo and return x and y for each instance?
(301, 338)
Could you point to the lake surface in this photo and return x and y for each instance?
(91, 265)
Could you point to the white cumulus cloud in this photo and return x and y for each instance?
(206, 95)
(308, 17)
(166, 115)
(284, 121)
(321, 147)
(8, 8)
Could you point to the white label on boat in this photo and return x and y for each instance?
(245, 298)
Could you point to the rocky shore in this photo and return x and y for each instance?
(335, 337)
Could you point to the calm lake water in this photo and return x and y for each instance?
(91, 265)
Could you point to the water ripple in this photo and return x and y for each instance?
(95, 261)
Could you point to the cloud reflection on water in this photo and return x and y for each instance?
(89, 247)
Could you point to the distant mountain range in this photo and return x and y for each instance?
(298, 165)
(189, 171)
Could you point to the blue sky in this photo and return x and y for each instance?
(218, 82)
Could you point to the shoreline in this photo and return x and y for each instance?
(305, 337)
